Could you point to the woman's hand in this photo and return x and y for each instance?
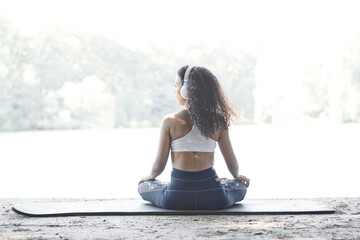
(224, 179)
(244, 179)
(147, 178)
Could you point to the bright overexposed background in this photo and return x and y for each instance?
(281, 161)
(85, 84)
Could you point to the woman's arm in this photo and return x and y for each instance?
(163, 151)
(229, 156)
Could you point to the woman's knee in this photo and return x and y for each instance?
(152, 185)
(144, 187)
(234, 185)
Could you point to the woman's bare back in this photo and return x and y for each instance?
(188, 161)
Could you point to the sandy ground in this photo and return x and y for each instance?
(344, 224)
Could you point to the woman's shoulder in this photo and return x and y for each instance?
(183, 113)
(175, 117)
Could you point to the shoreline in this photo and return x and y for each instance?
(343, 224)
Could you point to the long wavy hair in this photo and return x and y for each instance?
(209, 108)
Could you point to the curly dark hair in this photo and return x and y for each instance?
(209, 107)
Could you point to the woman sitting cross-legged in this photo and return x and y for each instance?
(191, 135)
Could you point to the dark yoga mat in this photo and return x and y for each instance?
(140, 207)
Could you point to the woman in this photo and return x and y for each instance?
(191, 135)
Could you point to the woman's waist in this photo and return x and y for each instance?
(192, 162)
(204, 180)
(193, 154)
(193, 176)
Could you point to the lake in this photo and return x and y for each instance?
(295, 161)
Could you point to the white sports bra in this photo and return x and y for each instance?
(193, 142)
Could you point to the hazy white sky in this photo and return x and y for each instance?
(243, 23)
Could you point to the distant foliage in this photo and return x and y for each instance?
(66, 79)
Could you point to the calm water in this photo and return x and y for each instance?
(282, 161)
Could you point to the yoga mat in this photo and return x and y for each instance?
(140, 207)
